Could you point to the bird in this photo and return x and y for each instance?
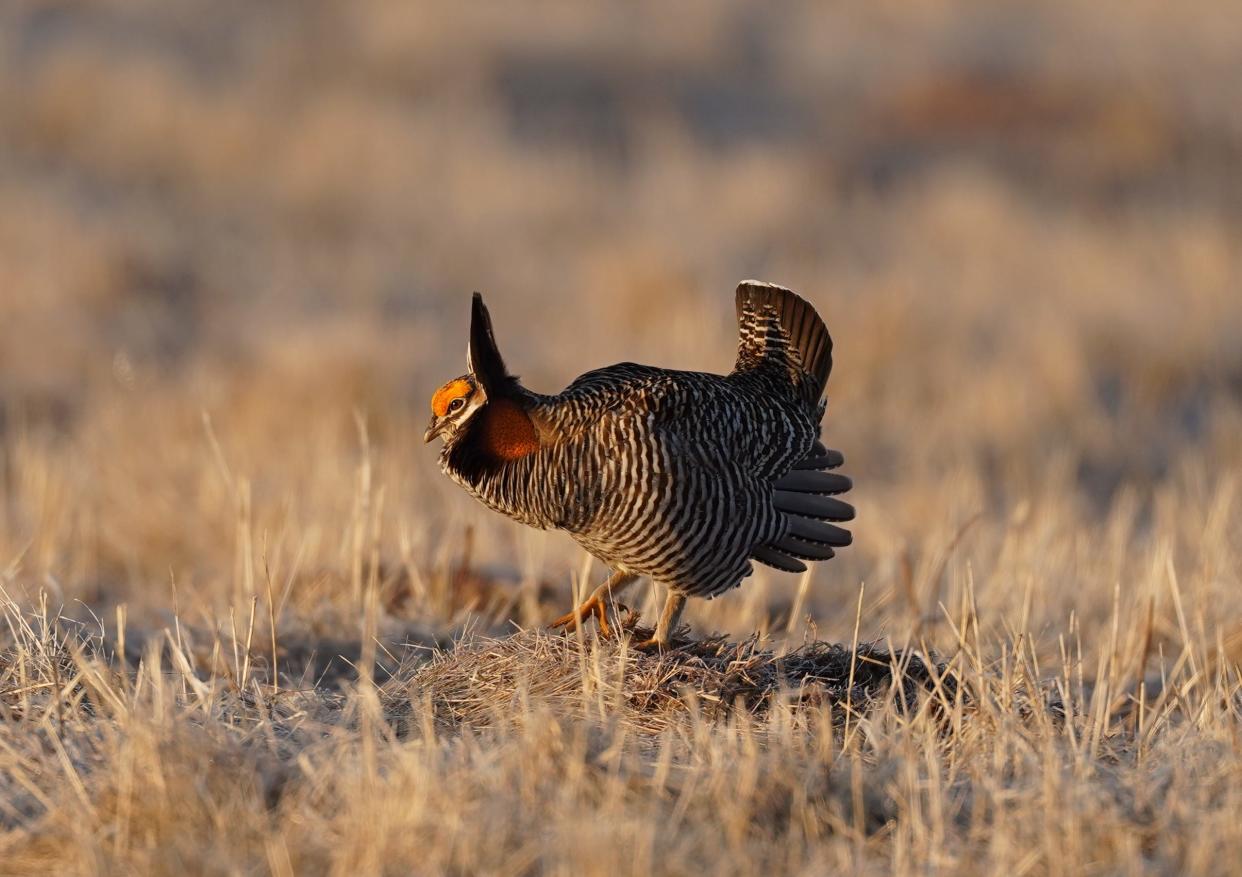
(683, 477)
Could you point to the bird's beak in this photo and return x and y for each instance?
(434, 428)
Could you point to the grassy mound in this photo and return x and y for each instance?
(485, 679)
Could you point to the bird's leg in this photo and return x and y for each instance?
(673, 607)
(598, 604)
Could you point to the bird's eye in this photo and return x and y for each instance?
(456, 404)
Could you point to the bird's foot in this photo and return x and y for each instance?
(652, 646)
(595, 606)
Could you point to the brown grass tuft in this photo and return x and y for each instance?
(483, 680)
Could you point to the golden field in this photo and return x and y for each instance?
(249, 627)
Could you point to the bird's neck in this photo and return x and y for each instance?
(505, 431)
(501, 433)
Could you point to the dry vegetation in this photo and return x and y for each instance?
(236, 243)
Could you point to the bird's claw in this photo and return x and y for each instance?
(652, 646)
(595, 606)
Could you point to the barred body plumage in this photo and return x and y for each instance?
(685, 477)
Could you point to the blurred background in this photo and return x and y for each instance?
(237, 243)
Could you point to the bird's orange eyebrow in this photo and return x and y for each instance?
(446, 394)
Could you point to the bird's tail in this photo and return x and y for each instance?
(807, 496)
(775, 324)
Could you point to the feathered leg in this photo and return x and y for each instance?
(598, 604)
(669, 618)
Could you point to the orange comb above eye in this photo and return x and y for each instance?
(446, 394)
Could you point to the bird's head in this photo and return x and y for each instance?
(453, 405)
(456, 403)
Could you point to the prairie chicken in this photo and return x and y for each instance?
(684, 477)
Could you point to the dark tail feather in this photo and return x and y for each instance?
(810, 505)
(828, 460)
(817, 531)
(808, 481)
(775, 322)
(777, 559)
(804, 549)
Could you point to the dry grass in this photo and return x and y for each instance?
(479, 682)
(248, 627)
